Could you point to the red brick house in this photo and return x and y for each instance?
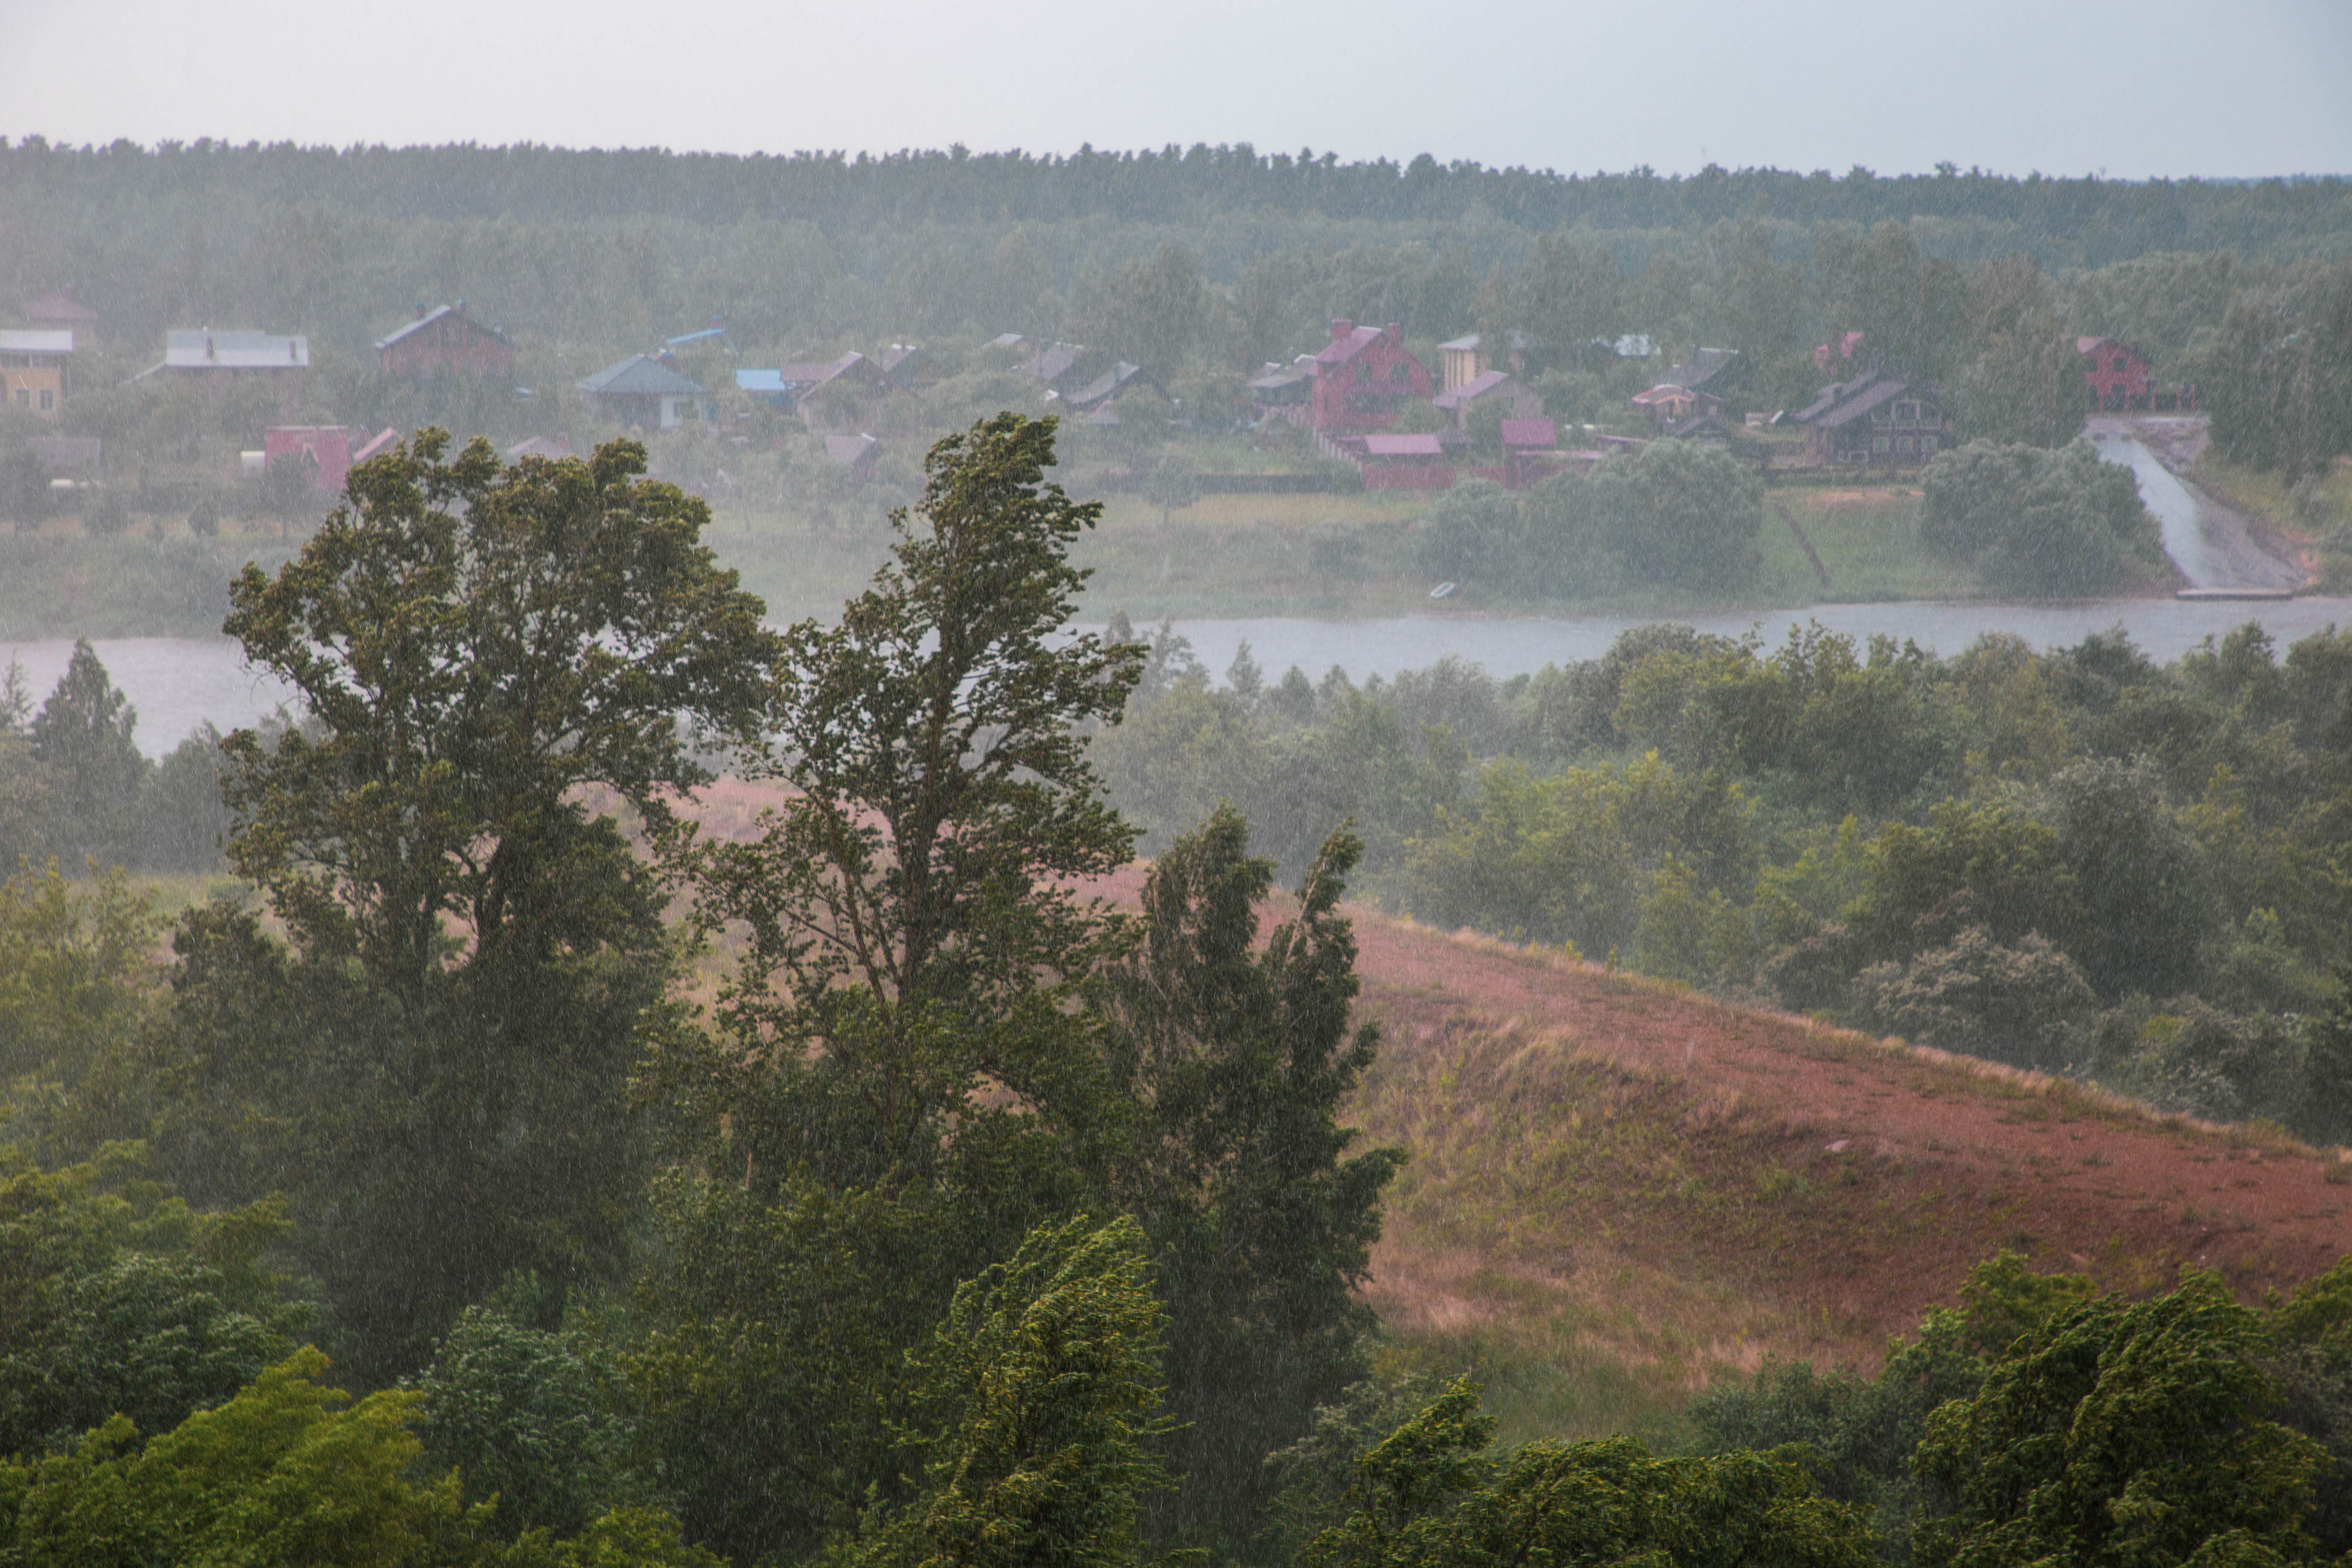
(1363, 379)
(2115, 375)
(445, 339)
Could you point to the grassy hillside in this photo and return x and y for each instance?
(1621, 1191)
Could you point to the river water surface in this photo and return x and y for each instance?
(179, 683)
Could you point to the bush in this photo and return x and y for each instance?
(1682, 513)
(1473, 535)
(2038, 521)
(2005, 1004)
(105, 515)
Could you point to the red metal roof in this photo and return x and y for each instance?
(1409, 446)
(1531, 433)
(1347, 348)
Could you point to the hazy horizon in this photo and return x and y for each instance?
(2157, 89)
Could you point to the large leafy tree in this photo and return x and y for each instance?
(1237, 1059)
(1429, 1494)
(901, 1081)
(1038, 1402)
(2119, 1434)
(491, 661)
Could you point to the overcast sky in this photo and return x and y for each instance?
(2145, 87)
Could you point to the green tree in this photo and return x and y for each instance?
(1037, 1409)
(82, 735)
(1682, 513)
(528, 1417)
(1237, 1059)
(2023, 380)
(1428, 1495)
(900, 1083)
(2122, 1434)
(2034, 520)
(480, 650)
(120, 1299)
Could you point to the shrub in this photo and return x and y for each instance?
(2038, 521)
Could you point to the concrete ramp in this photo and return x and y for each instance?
(2206, 540)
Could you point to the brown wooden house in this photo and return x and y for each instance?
(1877, 417)
(445, 339)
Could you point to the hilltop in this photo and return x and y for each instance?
(1621, 1190)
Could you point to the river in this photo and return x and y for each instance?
(179, 683)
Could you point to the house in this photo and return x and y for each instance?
(1465, 359)
(33, 364)
(1490, 388)
(802, 379)
(1879, 416)
(1012, 343)
(324, 449)
(213, 361)
(902, 363)
(1713, 370)
(1530, 452)
(1065, 367)
(644, 392)
(1460, 362)
(1098, 394)
(1284, 391)
(1362, 379)
(59, 312)
(768, 387)
(1668, 404)
(68, 456)
(858, 454)
(539, 446)
(2115, 375)
(445, 339)
(1412, 461)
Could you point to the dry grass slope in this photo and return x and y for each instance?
(1621, 1191)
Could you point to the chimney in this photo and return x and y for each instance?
(420, 309)
(1343, 330)
(208, 349)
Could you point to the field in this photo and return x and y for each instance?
(1332, 556)
(1621, 1191)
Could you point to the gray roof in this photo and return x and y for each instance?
(641, 376)
(418, 325)
(1859, 399)
(1109, 384)
(1704, 365)
(201, 348)
(39, 341)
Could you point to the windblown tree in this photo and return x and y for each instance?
(1238, 1060)
(491, 661)
(900, 1083)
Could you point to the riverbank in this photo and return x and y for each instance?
(1326, 557)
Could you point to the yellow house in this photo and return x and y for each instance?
(33, 368)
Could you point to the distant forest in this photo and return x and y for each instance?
(621, 247)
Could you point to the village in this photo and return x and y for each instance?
(1363, 411)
